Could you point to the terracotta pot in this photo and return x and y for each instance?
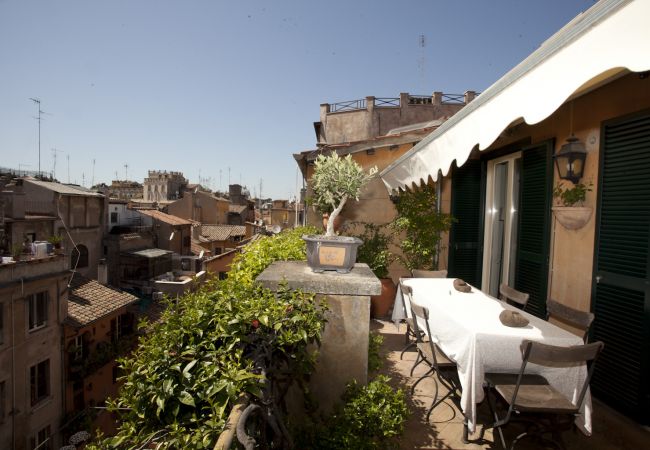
(380, 304)
(337, 222)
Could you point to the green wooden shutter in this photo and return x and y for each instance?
(531, 274)
(622, 271)
(465, 256)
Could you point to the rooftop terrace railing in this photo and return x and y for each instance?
(438, 98)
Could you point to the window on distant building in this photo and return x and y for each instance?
(79, 257)
(37, 305)
(39, 381)
(78, 347)
(3, 400)
(41, 440)
(113, 217)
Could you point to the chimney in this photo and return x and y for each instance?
(102, 272)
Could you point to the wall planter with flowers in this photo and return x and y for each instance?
(571, 212)
(374, 252)
(335, 181)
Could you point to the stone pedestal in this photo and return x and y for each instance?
(343, 355)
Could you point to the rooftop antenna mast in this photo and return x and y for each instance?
(37, 102)
(92, 182)
(422, 43)
(68, 158)
(126, 172)
(54, 152)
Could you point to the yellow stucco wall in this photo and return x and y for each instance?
(572, 251)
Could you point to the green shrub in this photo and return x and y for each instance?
(372, 417)
(190, 368)
(572, 196)
(374, 344)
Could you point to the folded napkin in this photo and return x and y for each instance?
(462, 286)
(512, 319)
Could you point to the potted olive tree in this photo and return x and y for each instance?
(570, 211)
(335, 181)
(374, 252)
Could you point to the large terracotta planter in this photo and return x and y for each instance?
(380, 304)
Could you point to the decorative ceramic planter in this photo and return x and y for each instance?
(380, 304)
(572, 217)
(331, 252)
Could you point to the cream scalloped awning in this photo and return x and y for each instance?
(611, 37)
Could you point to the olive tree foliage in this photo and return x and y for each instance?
(335, 181)
(422, 225)
(191, 366)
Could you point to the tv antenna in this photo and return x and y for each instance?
(126, 171)
(422, 43)
(92, 183)
(68, 158)
(54, 152)
(37, 102)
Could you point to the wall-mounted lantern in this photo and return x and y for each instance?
(570, 160)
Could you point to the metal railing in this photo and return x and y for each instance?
(453, 99)
(351, 105)
(387, 102)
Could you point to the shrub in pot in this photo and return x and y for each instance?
(570, 211)
(335, 181)
(374, 252)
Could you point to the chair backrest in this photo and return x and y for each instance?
(419, 273)
(577, 319)
(407, 292)
(422, 312)
(512, 295)
(551, 355)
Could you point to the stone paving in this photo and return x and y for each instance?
(444, 430)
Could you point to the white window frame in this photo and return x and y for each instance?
(489, 201)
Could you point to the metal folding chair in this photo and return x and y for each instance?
(513, 297)
(532, 395)
(581, 320)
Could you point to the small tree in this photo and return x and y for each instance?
(422, 225)
(335, 181)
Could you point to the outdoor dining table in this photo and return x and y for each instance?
(467, 328)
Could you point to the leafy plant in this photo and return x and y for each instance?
(372, 417)
(422, 225)
(336, 180)
(572, 196)
(54, 239)
(191, 367)
(375, 340)
(16, 250)
(374, 250)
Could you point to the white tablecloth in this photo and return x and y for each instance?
(467, 328)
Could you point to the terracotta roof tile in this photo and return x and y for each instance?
(163, 217)
(222, 232)
(88, 301)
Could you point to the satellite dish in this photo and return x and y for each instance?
(201, 254)
(276, 229)
(171, 236)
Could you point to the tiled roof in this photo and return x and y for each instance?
(66, 189)
(237, 209)
(88, 301)
(197, 249)
(150, 253)
(222, 232)
(163, 217)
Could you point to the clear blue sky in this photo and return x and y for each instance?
(201, 86)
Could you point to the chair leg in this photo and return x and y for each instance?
(429, 372)
(496, 418)
(417, 362)
(409, 345)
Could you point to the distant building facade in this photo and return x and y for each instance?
(370, 117)
(201, 207)
(33, 298)
(163, 185)
(125, 190)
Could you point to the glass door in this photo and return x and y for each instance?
(501, 221)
